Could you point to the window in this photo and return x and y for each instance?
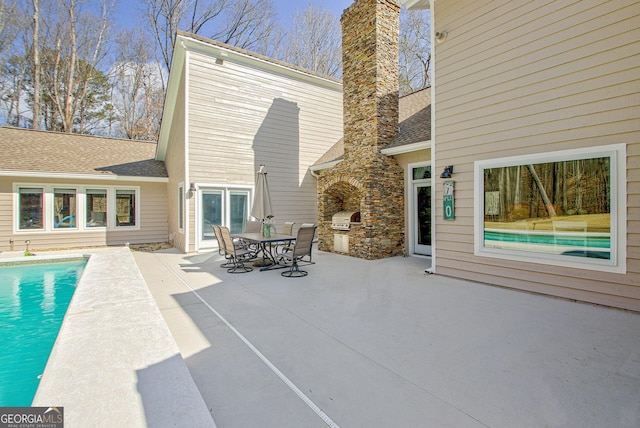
(30, 208)
(64, 208)
(565, 208)
(222, 206)
(125, 207)
(181, 206)
(96, 207)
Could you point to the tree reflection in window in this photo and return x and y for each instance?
(555, 207)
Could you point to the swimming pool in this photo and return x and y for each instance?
(33, 301)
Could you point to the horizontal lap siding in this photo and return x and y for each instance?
(241, 117)
(520, 77)
(153, 220)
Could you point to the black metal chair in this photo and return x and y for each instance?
(236, 255)
(301, 249)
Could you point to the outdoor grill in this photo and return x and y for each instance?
(342, 219)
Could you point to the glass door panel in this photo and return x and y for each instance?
(239, 208)
(211, 208)
(422, 229)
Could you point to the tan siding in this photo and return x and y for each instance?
(153, 219)
(241, 117)
(521, 77)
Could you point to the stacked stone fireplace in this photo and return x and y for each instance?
(366, 180)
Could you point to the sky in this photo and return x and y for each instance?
(128, 14)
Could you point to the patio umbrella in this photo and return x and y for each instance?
(262, 199)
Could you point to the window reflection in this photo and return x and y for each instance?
(556, 208)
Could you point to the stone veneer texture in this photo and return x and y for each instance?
(366, 180)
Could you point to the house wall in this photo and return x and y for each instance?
(152, 221)
(175, 164)
(241, 116)
(520, 77)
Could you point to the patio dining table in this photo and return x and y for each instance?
(266, 245)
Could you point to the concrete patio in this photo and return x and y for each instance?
(382, 344)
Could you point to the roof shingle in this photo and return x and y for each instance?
(25, 150)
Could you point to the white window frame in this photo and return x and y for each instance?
(113, 205)
(84, 204)
(617, 262)
(48, 207)
(52, 206)
(225, 191)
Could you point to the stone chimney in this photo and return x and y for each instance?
(370, 32)
(367, 181)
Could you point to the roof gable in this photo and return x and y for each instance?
(187, 42)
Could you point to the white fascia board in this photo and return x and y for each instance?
(326, 165)
(415, 4)
(64, 175)
(408, 148)
(169, 106)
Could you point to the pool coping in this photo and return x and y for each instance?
(114, 361)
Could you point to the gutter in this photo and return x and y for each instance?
(314, 169)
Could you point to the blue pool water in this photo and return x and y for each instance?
(591, 241)
(33, 300)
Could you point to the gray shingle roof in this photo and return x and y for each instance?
(25, 150)
(414, 125)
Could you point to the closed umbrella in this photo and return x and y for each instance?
(262, 199)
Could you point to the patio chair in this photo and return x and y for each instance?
(236, 255)
(287, 229)
(252, 226)
(221, 248)
(301, 249)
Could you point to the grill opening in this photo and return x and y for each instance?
(342, 219)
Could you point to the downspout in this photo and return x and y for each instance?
(187, 182)
(434, 240)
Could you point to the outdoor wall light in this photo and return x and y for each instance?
(191, 191)
(448, 170)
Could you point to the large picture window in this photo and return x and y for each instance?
(558, 208)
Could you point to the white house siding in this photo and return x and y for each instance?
(522, 77)
(153, 218)
(241, 116)
(175, 164)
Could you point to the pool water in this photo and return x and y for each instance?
(33, 301)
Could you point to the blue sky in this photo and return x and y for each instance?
(128, 14)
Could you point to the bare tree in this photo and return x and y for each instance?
(137, 94)
(79, 49)
(249, 24)
(314, 41)
(166, 17)
(36, 65)
(8, 24)
(415, 51)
